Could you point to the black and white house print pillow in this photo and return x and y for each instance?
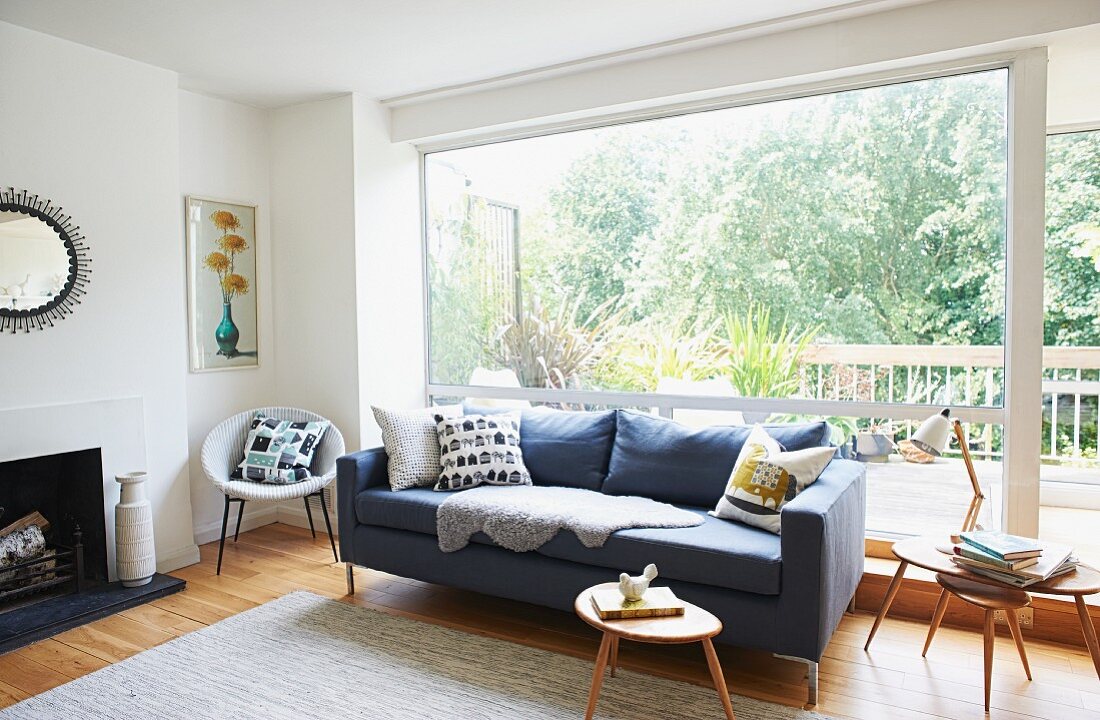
(279, 452)
(480, 449)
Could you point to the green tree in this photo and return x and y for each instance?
(1073, 206)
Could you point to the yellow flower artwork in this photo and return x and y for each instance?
(221, 239)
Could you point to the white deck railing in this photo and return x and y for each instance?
(963, 375)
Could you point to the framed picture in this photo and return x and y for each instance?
(221, 279)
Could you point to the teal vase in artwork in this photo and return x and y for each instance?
(227, 333)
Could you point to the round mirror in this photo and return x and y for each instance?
(42, 262)
(34, 262)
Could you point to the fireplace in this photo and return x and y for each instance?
(62, 496)
(68, 581)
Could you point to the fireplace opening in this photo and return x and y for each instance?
(53, 537)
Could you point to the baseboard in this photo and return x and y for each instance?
(187, 555)
(296, 515)
(255, 516)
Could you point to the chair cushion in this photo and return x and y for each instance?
(564, 448)
(280, 451)
(664, 460)
(718, 552)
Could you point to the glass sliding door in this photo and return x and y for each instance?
(1070, 492)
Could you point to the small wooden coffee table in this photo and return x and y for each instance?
(922, 552)
(695, 625)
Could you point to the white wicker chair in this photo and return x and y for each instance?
(223, 450)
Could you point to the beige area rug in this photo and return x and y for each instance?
(305, 656)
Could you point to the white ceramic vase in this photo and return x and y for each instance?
(135, 556)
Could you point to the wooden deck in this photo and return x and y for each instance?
(909, 499)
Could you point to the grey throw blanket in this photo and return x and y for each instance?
(524, 517)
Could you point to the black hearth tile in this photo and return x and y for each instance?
(41, 620)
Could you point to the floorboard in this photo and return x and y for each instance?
(892, 680)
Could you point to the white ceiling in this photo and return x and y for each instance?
(275, 52)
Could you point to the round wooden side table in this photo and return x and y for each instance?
(695, 625)
(989, 599)
(922, 552)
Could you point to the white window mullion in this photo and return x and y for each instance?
(1024, 291)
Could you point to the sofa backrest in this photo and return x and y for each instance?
(664, 460)
(567, 449)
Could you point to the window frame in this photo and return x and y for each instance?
(1024, 249)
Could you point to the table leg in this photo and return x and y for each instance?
(614, 654)
(1089, 630)
(937, 618)
(718, 678)
(1018, 637)
(988, 647)
(891, 591)
(597, 676)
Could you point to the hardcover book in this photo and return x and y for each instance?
(1002, 545)
(972, 553)
(657, 602)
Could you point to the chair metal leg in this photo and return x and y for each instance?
(309, 516)
(240, 516)
(350, 571)
(328, 524)
(221, 543)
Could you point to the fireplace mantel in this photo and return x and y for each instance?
(116, 427)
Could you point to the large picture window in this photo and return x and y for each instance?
(842, 253)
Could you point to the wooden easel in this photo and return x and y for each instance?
(972, 512)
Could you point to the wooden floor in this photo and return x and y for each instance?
(891, 681)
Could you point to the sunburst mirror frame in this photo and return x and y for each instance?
(60, 305)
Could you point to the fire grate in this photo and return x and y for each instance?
(58, 566)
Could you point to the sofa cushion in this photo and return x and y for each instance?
(564, 448)
(664, 460)
(411, 509)
(718, 552)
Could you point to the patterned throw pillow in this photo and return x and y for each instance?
(765, 478)
(476, 449)
(279, 451)
(412, 445)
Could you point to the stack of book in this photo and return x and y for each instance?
(1011, 559)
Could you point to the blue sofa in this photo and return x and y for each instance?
(781, 593)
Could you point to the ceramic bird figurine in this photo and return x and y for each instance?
(633, 588)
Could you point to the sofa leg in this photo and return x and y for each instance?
(811, 676)
(852, 605)
(350, 570)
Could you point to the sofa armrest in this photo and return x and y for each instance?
(354, 474)
(822, 544)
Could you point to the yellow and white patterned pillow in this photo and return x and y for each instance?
(765, 478)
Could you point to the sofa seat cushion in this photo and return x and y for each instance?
(664, 460)
(411, 509)
(718, 552)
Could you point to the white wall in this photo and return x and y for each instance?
(313, 230)
(390, 298)
(1073, 87)
(224, 148)
(943, 30)
(98, 134)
